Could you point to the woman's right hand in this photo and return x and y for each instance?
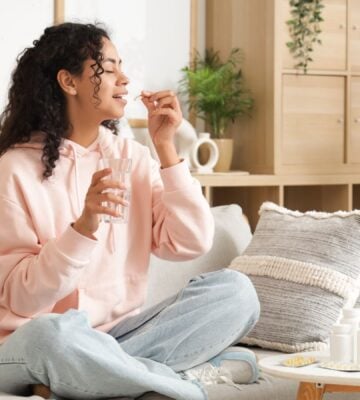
(97, 194)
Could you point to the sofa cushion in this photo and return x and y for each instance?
(305, 268)
(232, 235)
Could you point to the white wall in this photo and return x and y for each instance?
(152, 36)
(21, 22)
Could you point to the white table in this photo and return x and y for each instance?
(314, 381)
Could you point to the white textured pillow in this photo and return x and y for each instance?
(305, 268)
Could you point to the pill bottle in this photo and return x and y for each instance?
(341, 343)
(351, 316)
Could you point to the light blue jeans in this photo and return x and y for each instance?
(141, 354)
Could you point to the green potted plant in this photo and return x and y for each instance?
(216, 93)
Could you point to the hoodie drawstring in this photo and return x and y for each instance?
(76, 166)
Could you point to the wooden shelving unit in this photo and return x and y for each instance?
(301, 124)
(301, 192)
(302, 144)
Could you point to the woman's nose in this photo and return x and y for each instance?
(122, 79)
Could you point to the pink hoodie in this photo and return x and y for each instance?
(46, 266)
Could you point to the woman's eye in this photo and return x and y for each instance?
(110, 72)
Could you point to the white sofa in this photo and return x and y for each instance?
(232, 235)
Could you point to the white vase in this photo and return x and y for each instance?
(204, 140)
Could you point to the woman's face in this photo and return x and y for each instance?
(111, 90)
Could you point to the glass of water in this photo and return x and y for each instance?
(121, 172)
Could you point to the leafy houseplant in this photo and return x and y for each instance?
(304, 29)
(215, 89)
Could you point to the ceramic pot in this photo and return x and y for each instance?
(225, 147)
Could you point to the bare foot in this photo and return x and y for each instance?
(42, 391)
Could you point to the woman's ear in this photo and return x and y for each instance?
(66, 82)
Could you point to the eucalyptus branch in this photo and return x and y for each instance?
(304, 29)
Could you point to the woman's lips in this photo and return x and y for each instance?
(120, 100)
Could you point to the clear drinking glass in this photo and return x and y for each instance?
(121, 172)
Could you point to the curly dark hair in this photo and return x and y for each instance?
(36, 101)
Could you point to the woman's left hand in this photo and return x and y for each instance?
(164, 115)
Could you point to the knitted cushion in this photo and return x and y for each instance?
(305, 268)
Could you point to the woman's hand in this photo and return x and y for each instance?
(164, 115)
(97, 194)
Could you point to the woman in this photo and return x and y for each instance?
(72, 286)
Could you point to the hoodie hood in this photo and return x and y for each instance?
(103, 143)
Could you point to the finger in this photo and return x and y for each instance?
(150, 105)
(111, 197)
(157, 96)
(105, 210)
(146, 93)
(98, 175)
(108, 184)
(168, 112)
(169, 101)
(102, 204)
(154, 100)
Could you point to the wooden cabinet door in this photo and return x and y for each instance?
(354, 35)
(331, 54)
(354, 134)
(312, 120)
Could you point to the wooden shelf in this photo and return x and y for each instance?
(218, 179)
(327, 72)
(299, 192)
